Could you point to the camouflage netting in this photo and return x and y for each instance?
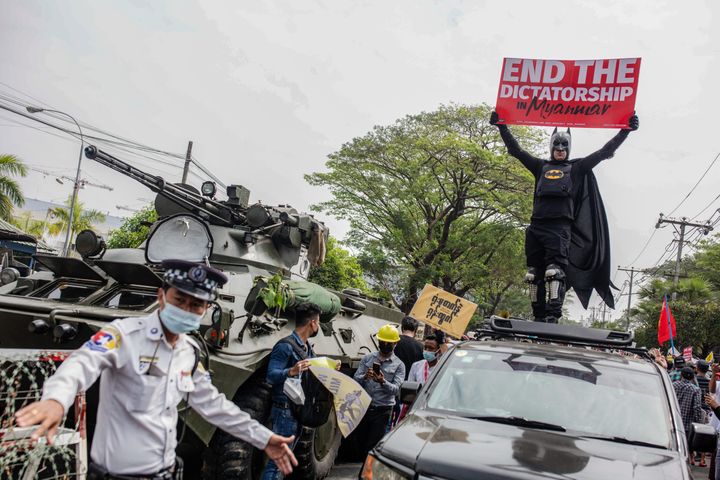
(21, 380)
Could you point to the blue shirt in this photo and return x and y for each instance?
(282, 358)
(393, 369)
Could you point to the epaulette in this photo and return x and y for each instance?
(130, 324)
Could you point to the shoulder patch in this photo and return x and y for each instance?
(105, 340)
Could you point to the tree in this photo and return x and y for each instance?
(29, 225)
(134, 230)
(340, 269)
(82, 219)
(10, 193)
(434, 198)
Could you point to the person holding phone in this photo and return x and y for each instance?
(380, 374)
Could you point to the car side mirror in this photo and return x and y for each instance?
(409, 391)
(703, 438)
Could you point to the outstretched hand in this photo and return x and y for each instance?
(634, 122)
(46, 413)
(494, 118)
(278, 450)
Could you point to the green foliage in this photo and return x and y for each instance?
(340, 269)
(275, 294)
(29, 225)
(10, 192)
(82, 219)
(434, 198)
(134, 230)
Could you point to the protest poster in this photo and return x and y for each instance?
(443, 310)
(687, 353)
(568, 93)
(351, 401)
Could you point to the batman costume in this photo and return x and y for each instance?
(567, 243)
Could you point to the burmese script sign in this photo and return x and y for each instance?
(443, 310)
(572, 93)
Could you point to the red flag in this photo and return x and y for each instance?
(666, 320)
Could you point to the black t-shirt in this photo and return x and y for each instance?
(409, 351)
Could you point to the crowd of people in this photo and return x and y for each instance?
(695, 385)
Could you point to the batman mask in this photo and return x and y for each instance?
(560, 141)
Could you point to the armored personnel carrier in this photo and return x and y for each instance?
(61, 304)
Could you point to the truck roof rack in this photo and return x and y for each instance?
(567, 334)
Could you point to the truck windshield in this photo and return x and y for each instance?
(584, 397)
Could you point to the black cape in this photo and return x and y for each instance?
(589, 266)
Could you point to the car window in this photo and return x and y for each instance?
(582, 396)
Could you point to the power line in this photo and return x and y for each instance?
(696, 184)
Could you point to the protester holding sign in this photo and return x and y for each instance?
(288, 360)
(566, 198)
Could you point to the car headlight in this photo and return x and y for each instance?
(374, 469)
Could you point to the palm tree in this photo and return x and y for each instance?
(82, 219)
(10, 193)
(29, 225)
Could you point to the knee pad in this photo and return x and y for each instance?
(555, 278)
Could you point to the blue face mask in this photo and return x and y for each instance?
(178, 320)
(429, 356)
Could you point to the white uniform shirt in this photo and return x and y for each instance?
(419, 371)
(143, 381)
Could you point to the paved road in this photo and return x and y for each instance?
(345, 471)
(699, 473)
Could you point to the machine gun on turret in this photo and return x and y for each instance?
(283, 223)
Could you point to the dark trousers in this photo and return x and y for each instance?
(372, 428)
(546, 243)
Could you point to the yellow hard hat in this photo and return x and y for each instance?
(388, 333)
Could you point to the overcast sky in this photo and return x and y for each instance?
(267, 89)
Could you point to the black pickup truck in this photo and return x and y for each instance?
(540, 401)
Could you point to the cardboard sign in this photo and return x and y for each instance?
(350, 399)
(572, 93)
(443, 310)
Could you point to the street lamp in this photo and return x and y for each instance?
(76, 187)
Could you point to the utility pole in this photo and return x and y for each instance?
(632, 274)
(188, 159)
(683, 224)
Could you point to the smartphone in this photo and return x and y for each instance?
(376, 367)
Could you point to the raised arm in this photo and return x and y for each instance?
(513, 147)
(608, 150)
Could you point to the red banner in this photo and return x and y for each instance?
(572, 93)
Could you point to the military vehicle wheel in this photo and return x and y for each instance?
(229, 458)
(316, 450)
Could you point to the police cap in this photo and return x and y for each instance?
(195, 279)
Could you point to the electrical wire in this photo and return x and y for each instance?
(118, 141)
(696, 184)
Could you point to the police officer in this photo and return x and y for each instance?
(147, 366)
(547, 239)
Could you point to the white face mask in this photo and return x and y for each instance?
(178, 320)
